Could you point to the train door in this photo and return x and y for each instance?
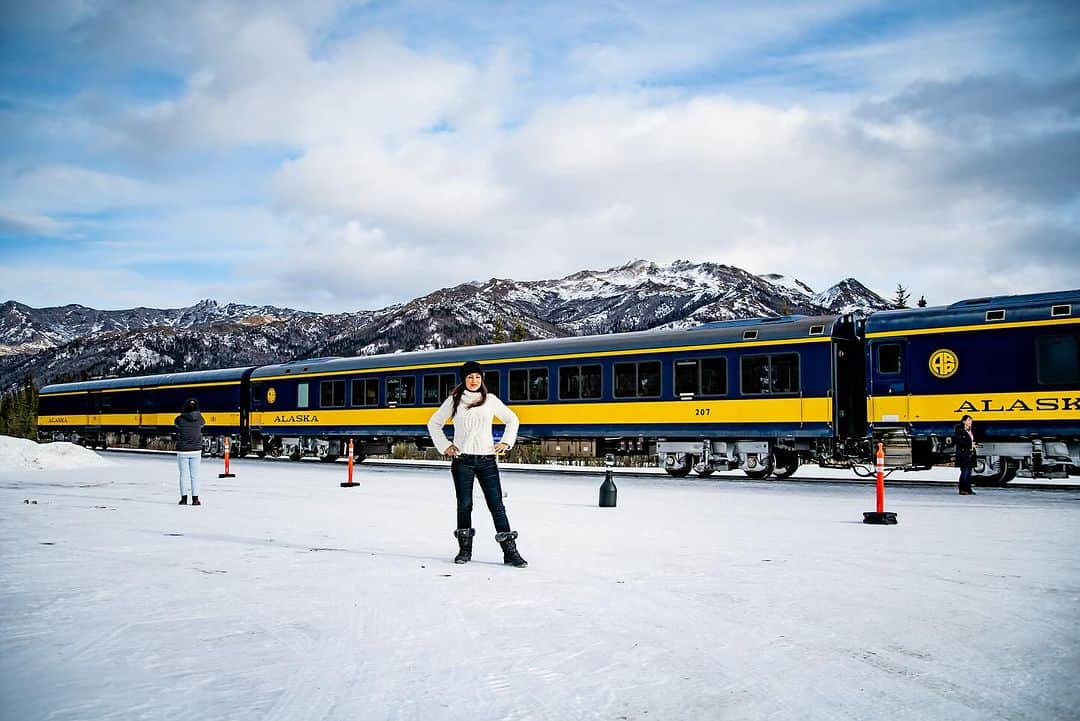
(94, 409)
(889, 382)
(849, 382)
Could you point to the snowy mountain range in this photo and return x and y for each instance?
(74, 342)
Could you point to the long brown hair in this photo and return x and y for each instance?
(460, 389)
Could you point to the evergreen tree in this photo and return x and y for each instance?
(922, 301)
(498, 335)
(18, 411)
(902, 295)
(519, 333)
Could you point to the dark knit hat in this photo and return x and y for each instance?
(191, 405)
(471, 367)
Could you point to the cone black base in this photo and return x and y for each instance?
(882, 519)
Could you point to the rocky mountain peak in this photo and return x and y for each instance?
(74, 341)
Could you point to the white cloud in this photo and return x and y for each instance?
(55, 189)
(409, 165)
(17, 223)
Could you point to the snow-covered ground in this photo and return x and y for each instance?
(287, 597)
(26, 455)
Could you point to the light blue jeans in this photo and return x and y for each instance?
(189, 470)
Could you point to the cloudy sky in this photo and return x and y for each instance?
(336, 156)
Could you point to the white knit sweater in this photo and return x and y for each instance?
(472, 426)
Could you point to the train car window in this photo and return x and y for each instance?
(302, 395)
(785, 373)
(570, 382)
(365, 392)
(430, 393)
(686, 378)
(401, 390)
(437, 387)
(529, 384)
(538, 384)
(579, 382)
(713, 376)
(591, 381)
(332, 394)
(447, 384)
(1058, 359)
(1060, 311)
(519, 385)
(637, 380)
(625, 380)
(649, 379)
(888, 358)
(755, 375)
(491, 380)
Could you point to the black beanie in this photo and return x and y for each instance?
(471, 367)
(191, 405)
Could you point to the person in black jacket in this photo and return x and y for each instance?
(964, 440)
(189, 446)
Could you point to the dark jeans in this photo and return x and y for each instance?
(965, 478)
(464, 468)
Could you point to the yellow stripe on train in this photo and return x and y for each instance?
(133, 419)
(1037, 406)
(767, 410)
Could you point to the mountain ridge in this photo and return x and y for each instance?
(75, 342)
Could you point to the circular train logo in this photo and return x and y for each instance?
(271, 395)
(944, 363)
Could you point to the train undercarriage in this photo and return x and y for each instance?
(997, 461)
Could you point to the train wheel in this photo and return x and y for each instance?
(295, 455)
(1000, 473)
(359, 457)
(261, 454)
(682, 467)
(762, 471)
(705, 474)
(785, 465)
(328, 458)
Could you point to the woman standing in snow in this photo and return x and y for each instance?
(473, 451)
(189, 446)
(964, 442)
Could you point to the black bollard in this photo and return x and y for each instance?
(608, 492)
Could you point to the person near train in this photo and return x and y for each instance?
(472, 408)
(964, 442)
(189, 448)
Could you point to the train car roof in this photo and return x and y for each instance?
(718, 333)
(220, 375)
(977, 312)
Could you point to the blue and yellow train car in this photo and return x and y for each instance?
(136, 411)
(755, 394)
(1012, 363)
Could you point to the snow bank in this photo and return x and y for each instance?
(20, 454)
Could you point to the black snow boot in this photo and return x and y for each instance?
(183, 501)
(195, 501)
(511, 556)
(464, 539)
